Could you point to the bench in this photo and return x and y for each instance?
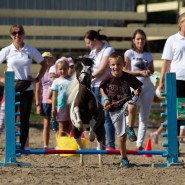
(170, 29)
(72, 36)
(72, 14)
(69, 39)
(159, 7)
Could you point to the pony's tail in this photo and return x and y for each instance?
(72, 89)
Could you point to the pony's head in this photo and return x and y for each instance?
(83, 69)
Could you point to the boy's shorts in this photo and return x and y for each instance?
(62, 114)
(46, 109)
(119, 121)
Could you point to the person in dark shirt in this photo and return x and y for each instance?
(115, 89)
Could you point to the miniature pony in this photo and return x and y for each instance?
(86, 112)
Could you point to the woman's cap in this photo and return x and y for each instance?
(70, 61)
(47, 54)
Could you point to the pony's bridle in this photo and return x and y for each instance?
(85, 75)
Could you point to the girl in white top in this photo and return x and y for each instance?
(19, 58)
(100, 52)
(139, 62)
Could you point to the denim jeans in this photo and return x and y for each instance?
(109, 127)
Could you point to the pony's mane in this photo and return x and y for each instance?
(74, 84)
(72, 89)
(85, 60)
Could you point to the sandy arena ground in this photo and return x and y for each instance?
(52, 169)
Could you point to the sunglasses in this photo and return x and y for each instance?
(15, 33)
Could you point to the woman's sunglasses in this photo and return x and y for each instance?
(15, 33)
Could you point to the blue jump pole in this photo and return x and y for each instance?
(107, 152)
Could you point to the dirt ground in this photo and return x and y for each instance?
(53, 169)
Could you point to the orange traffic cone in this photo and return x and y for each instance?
(148, 147)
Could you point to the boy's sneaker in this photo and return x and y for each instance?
(154, 137)
(131, 134)
(56, 148)
(125, 163)
(140, 148)
(45, 148)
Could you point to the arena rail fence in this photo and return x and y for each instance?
(72, 36)
(11, 146)
(159, 7)
(73, 14)
(49, 32)
(69, 39)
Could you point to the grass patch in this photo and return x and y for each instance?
(155, 118)
(34, 117)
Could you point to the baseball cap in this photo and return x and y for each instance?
(70, 61)
(47, 54)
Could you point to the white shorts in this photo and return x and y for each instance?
(62, 114)
(119, 121)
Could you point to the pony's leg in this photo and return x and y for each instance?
(92, 134)
(80, 146)
(99, 147)
(78, 122)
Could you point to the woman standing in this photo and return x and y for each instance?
(139, 62)
(100, 52)
(19, 58)
(174, 60)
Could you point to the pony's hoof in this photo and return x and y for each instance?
(100, 164)
(92, 136)
(81, 164)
